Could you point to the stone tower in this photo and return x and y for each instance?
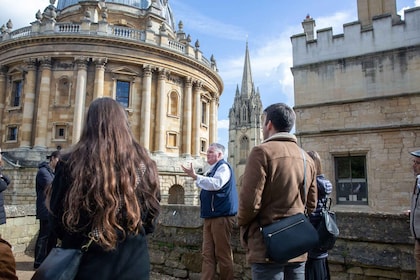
(357, 100)
(244, 121)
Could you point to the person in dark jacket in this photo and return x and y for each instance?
(219, 205)
(45, 240)
(106, 189)
(4, 182)
(316, 267)
(415, 210)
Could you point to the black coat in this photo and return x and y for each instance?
(43, 180)
(4, 182)
(129, 261)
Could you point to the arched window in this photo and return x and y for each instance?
(63, 91)
(243, 149)
(244, 114)
(173, 104)
(176, 195)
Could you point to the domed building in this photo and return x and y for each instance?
(129, 50)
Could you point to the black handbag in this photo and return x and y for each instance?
(62, 264)
(289, 237)
(292, 236)
(327, 228)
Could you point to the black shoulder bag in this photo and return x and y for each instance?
(292, 236)
(327, 228)
(62, 264)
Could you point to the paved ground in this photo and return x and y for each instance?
(24, 267)
(25, 264)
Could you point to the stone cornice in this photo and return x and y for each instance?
(70, 41)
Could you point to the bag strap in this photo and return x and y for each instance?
(304, 177)
(92, 238)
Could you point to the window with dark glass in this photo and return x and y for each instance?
(123, 93)
(351, 180)
(16, 93)
(12, 132)
(60, 132)
(203, 147)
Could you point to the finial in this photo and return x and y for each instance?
(9, 24)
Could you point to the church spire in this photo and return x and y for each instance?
(247, 84)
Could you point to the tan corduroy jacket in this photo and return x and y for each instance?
(7, 261)
(271, 189)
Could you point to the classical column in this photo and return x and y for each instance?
(28, 104)
(43, 101)
(197, 119)
(98, 88)
(214, 104)
(3, 88)
(187, 117)
(146, 105)
(160, 130)
(79, 103)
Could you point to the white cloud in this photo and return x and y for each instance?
(223, 124)
(21, 12)
(197, 22)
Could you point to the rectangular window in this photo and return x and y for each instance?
(204, 112)
(172, 140)
(60, 132)
(16, 93)
(123, 93)
(12, 132)
(350, 173)
(203, 146)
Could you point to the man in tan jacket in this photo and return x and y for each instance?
(271, 189)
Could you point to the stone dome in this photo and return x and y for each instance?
(141, 4)
(163, 7)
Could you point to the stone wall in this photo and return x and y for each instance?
(371, 246)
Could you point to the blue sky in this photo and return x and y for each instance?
(224, 27)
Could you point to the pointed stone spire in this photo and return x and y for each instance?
(247, 84)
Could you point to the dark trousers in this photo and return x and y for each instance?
(44, 243)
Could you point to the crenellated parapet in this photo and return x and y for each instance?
(383, 35)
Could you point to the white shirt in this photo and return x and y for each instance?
(220, 178)
(418, 181)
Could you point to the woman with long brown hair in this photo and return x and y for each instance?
(107, 187)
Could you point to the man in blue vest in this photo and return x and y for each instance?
(219, 205)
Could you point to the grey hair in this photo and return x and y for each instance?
(219, 147)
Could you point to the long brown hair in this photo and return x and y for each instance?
(317, 159)
(111, 174)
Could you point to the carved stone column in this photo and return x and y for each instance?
(146, 107)
(3, 90)
(98, 89)
(160, 130)
(80, 99)
(196, 119)
(187, 118)
(28, 102)
(43, 102)
(214, 105)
